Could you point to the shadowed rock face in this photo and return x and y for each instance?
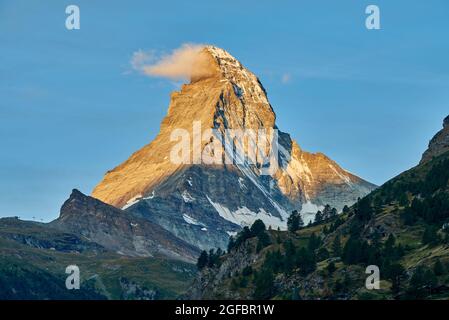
(118, 230)
(42, 236)
(439, 143)
(203, 204)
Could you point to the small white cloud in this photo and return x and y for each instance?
(178, 65)
(141, 58)
(286, 78)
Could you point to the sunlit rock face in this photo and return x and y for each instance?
(439, 143)
(203, 203)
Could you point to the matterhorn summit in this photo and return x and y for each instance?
(220, 162)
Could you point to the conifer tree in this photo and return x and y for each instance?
(203, 260)
(336, 246)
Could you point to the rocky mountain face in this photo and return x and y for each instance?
(119, 231)
(439, 143)
(40, 236)
(215, 190)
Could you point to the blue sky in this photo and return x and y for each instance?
(71, 108)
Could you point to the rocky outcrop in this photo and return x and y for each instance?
(134, 291)
(118, 230)
(204, 202)
(439, 143)
(213, 283)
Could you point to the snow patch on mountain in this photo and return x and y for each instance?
(232, 233)
(245, 217)
(310, 207)
(151, 196)
(132, 201)
(308, 211)
(241, 184)
(191, 220)
(187, 197)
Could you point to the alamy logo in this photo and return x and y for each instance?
(73, 280)
(372, 22)
(72, 22)
(373, 280)
(229, 146)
